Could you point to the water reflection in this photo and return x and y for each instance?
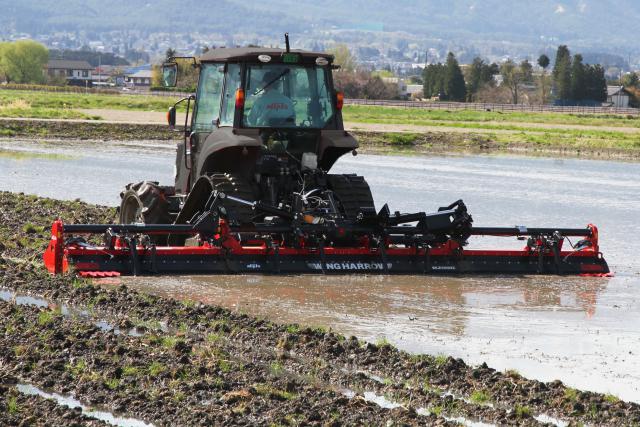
(443, 304)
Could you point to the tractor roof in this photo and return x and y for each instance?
(252, 53)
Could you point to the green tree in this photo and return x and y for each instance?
(455, 88)
(23, 61)
(596, 83)
(631, 80)
(170, 53)
(434, 81)
(578, 79)
(479, 75)
(514, 76)
(544, 62)
(562, 73)
(344, 58)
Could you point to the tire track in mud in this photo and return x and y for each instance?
(246, 370)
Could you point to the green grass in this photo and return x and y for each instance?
(571, 394)
(424, 117)
(480, 397)
(68, 101)
(441, 359)
(45, 317)
(383, 342)
(523, 411)
(502, 129)
(293, 329)
(12, 405)
(112, 383)
(156, 368)
(401, 138)
(611, 398)
(268, 390)
(276, 368)
(436, 410)
(130, 371)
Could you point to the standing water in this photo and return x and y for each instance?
(580, 330)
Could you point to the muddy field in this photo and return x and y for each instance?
(144, 360)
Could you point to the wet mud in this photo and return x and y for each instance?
(162, 361)
(80, 130)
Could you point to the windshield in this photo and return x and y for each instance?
(287, 96)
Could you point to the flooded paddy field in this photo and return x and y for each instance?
(582, 331)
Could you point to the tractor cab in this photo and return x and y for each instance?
(257, 102)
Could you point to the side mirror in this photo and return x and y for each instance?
(171, 117)
(169, 74)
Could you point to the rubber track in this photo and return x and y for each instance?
(353, 192)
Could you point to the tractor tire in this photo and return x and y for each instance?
(146, 203)
(353, 194)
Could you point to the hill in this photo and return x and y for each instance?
(585, 22)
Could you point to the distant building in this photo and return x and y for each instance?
(399, 83)
(617, 96)
(79, 73)
(415, 91)
(140, 78)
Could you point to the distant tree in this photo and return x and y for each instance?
(23, 61)
(170, 53)
(376, 88)
(434, 81)
(91, 56)
(514, 76)
(455, 88)
(595, 83)
(362, 84)
(344, 58)
(543, 62)
(562, 73)
(578, 79)
(479, 74)
(631, 80)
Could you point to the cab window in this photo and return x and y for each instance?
(232, 84)
(208, 100)
(287, 96)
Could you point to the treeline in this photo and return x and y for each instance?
(23, 62)
(572, 81)
(575, 82)
(92, 57)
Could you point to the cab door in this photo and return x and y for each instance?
(205, 119)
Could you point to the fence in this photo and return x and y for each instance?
(494, 107)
